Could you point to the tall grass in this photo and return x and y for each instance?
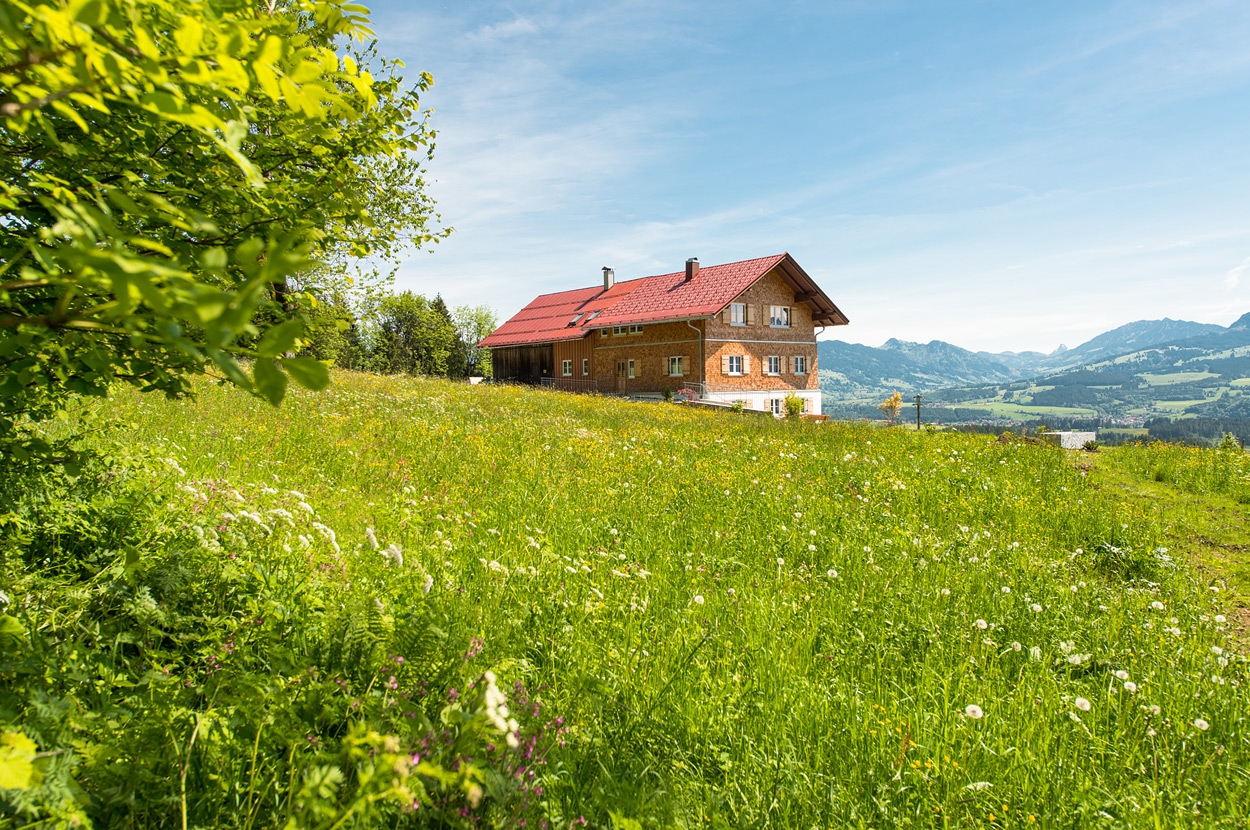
(737, 622)
(1224, 472)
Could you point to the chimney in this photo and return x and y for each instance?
(609, 278)
(692, 268)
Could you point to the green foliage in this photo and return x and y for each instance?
(660, 588)
(1191, 469)
(473, 324)
(167, 167)
(794, 406)
(183, 654)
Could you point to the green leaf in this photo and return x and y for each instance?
(280, 339)
(17, 755)
(308, 373)
(270, 382)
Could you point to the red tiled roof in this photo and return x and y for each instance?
(550, 317)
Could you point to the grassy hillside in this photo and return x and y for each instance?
(698, 621)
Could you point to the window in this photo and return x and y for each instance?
(585, 366)
(800, 365)
(566, 368)
(675, 367)
(733, 364)
(620, 329)
(778, 406)
(774, 365)
(738, 314)
(620, 368)
(605, 332)
(631, 368)
(635, 329)
(779, 316)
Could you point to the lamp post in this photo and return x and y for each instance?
(918, 413)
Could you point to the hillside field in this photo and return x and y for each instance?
(407, 603)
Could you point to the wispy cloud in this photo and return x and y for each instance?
(934, 168)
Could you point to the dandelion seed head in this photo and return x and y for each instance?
(1082, 704)
(973, 711)
(1202, 725)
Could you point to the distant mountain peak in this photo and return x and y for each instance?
(1242, 323)
(1062, 348)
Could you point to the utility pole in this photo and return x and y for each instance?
(918, 413)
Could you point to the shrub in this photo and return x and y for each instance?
(794, 405)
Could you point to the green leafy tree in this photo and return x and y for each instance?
(473, 324)
(414, 337)
(172, 173)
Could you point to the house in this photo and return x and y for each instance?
(743, 331)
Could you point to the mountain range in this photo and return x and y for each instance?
(850, 371)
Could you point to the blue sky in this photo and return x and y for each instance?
(1000, 175)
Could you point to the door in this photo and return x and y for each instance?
(620, 376)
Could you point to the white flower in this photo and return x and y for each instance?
(973, 711)
(1151, 732)
(1016, 646)
(373, 539)
(1220, 618)
(395, 554)
(698, 599)
(429, 583)
(1082, 704)
(1156, 605)
(831, 573)
(981, 624)
(1130, 686)
(1006, 590)
(1216, 650)
(946, 592)
(613, 531)
(811, 547)
(1201, 724)
(1121, 674)
(1035, 608)
(1154, 709)
(780, 561)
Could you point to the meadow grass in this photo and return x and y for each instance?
(737, 622)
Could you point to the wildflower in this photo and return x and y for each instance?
(946, 592)
(1156, 605)
(698, 599)
(780, 561)
(981, 624)
(373, 539)
(973, 711)
(395, 554)
(1121, 674)
(811, 547)
(1221, 619)
(1016, 646)
(1130, 686)
(1151, 732)
(306, 507)
(831, 573)
(1082, 704)
(1035, 608)
(1006, 590)
(429, 583)
(1154, 709)
(1216, 650)
(1201, 724)
(613, 531)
